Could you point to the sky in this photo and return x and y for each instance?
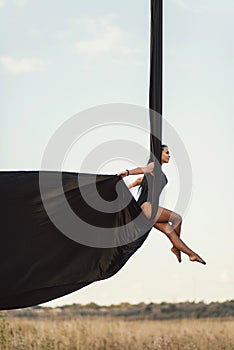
(58, 59)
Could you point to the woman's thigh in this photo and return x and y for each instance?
(166, 215)
(146, 207)
(163, 215)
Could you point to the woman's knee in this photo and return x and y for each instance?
(165, 228)
(176, 219)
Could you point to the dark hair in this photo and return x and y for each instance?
(151, 157)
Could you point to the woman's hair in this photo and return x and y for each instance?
(151, 157)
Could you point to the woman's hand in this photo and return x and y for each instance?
(123, 173)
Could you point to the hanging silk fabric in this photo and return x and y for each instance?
(155, 98)
(39, 263)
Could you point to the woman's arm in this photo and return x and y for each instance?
(140, 170)
(135, 171)
(137, 182)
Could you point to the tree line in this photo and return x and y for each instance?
(140, 311)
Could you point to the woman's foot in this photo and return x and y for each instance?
(196, 257)
(177, 253)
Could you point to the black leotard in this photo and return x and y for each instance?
(148, 179)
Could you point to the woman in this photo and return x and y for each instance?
(165, 220)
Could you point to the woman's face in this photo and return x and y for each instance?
(165, 155)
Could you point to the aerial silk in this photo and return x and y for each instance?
(37, 261)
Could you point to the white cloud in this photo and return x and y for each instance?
(106, 38)
(23, 65)
(20, 3)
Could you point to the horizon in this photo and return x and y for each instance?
(129, 303)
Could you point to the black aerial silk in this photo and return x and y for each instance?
(39, 263)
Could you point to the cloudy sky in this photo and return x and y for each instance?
(58, 59)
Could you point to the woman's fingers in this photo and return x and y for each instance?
(123, 173)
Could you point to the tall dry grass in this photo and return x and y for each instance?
(112, 333)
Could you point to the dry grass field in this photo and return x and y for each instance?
(111, 333)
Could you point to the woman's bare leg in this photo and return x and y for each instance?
(175, 220)
(165, 216)
(171, 233)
